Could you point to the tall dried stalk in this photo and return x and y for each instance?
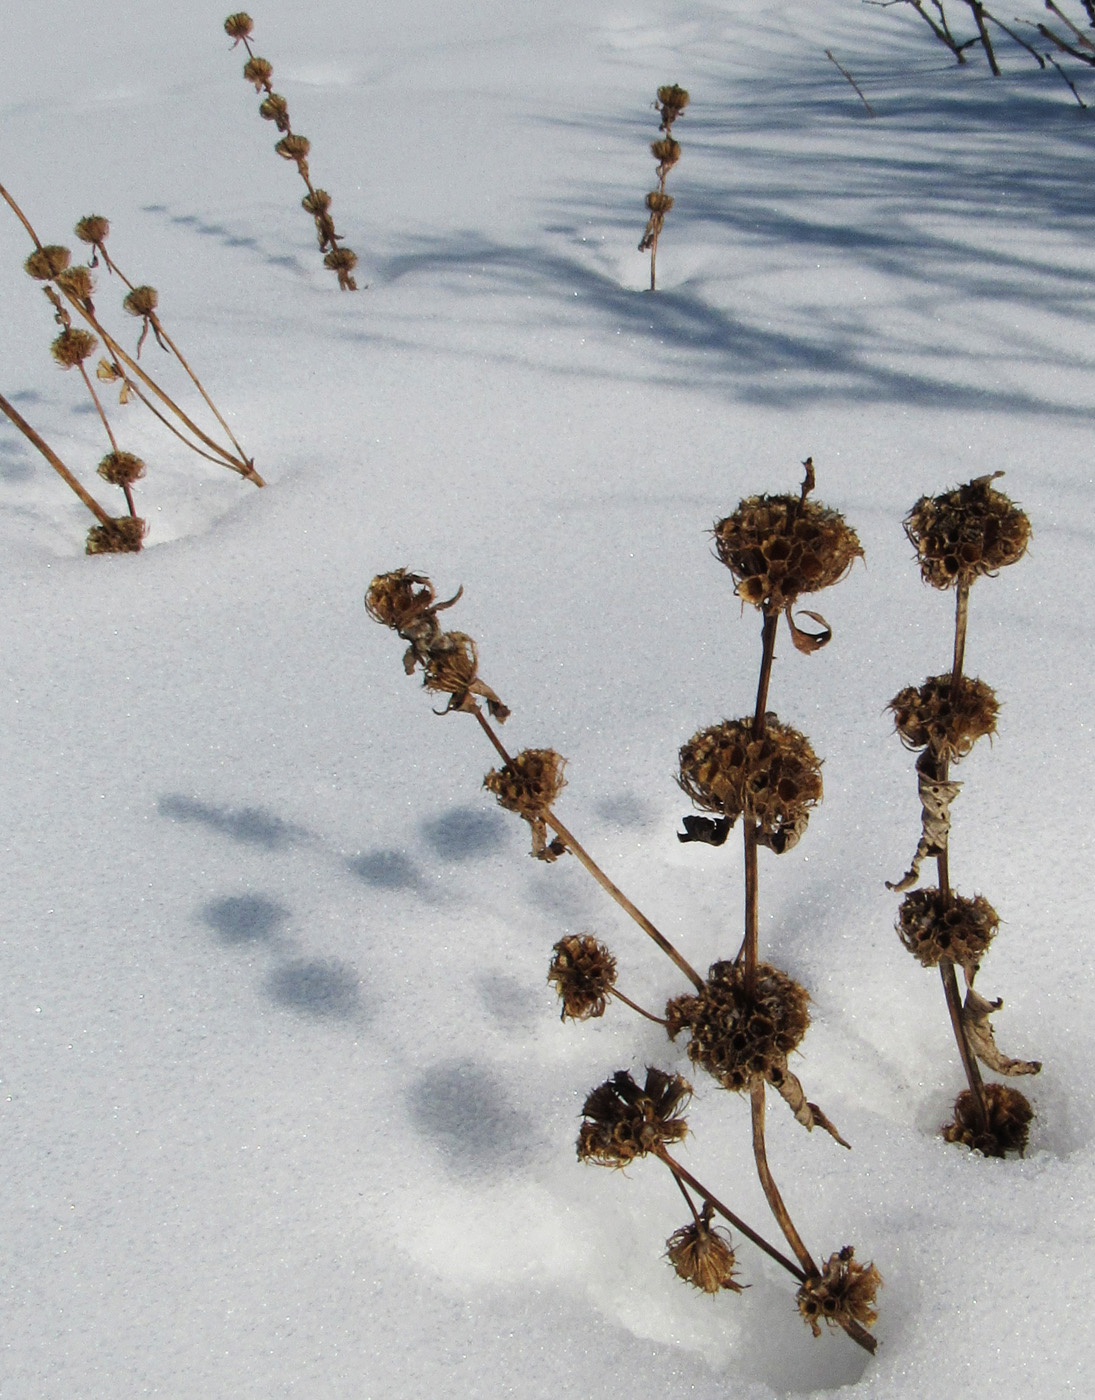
(745, 1017)
(960, 536)
(274, 108)
(672, 100)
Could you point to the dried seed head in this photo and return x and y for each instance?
(123, 535)
(238, 26)
(702, 1256)
(293, 147)
(658, 202)
(142, 301)
(342, 261)
(1009, 1115)
(948, 720)
(778, 547)
(399, 599)
(529, 783)
(93, 229)
(623, 1122)
(672, 100)
(275, 109)
(72, 347)
(259, 72)
(452, 667)
(583, 972)
(121, 468)
(775, 780)
(933, 926)
(45, 263)
(967, 532)
(77, 282)
(845, 1292)
(317, 202)
(666, 151)
(742, 1038)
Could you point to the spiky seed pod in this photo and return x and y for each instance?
(342, 261)
(529, 783)
(623, 1122)
(845, 1292)
(45, 263)
(72, 347)
(966, 532)
(123, 535)
(141, 301)
(658, 202)
(399, 599)
(259, 72)
(121, 468)
(774, 780)
(583, 972)
(702, 1255)
(672, 100)
(293, 147)
(944, 718)
(1009, 1115)
(933, 926)
(93, 229)
(452, 666)
(778, 547)
(317, 202)
(738, 1037)
(77, 282)
(275, 109)
(238, 26)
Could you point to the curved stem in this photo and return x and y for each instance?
(768, 652)
(771, 1191)
(54, 461)
(615, 991)
(98, 405)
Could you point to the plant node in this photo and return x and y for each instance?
(843, 1294)
(945, 718)
(528, 784)
(934, 925)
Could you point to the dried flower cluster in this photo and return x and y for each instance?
(1009, 1117)
(773, 779)
(672, 100)
(945, 718)
(295, 148)
(844, 1293)
(623, 1122)
(121, 536)
(965, 533)
(779, 547)
(528, 784)
(583, 972)
(701, 1255)
(933, 926)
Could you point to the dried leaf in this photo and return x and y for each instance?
(793, 1094)
(542, 848)
(106, 371)
(935, 816)
(711, 830)
(808, 642)
(982, 1039)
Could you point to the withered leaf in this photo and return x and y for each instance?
(935, 817)
(975, 1018)
(808, 1114)
(808, 642)
(542, 848)
(712, 830)
(105, 370)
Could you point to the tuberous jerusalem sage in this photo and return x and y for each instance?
(672, 100)
(294, 148)
(960, 536)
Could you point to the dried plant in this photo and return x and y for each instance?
(672, 100)
(745, 1019)
(960, 536)
(295, 148)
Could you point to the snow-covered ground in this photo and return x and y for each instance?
(287, 1107)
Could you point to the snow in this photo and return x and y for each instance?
(287, 1106)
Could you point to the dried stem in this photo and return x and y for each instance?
(771, 1191)
(54, 461)
(841, 69)
(598, 874)
(98, 405)
(659, 1020)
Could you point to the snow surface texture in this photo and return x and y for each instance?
(287, 1107)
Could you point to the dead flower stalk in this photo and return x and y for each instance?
(746, 1017)
(672, 100)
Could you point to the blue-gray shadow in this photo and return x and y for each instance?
(251, 825)
(464, 833)
(321, 988)
(511, 1002)
(466, 1112)
(16, 463)
(385, 870)
(244, 918)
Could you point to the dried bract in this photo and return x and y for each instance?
(933, 925)
(45, 263)
(667, 152)
(294, 148)
(121, 468)
(528, 784)
(72, 347)
(623, 1122)
(238, 26)
(944, 718)
(778, 547)
(742, 1038)
(702, 1255)
(844, 1293)
(775, 780)
(404, 601)
(452, 667)
(1009, 1119)
(77, 282)
(583, 972)
(259, 72)
(967, 532)
(275, 109)
(123, 535)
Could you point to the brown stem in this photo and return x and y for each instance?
(98, 405)
(54, 461)
(688, 1198)
(771, 1191)
(961, 618)
(768, 653)
(749, 944)
(595, 870)
(22, 218)
(727, 1214)
(615, 991)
